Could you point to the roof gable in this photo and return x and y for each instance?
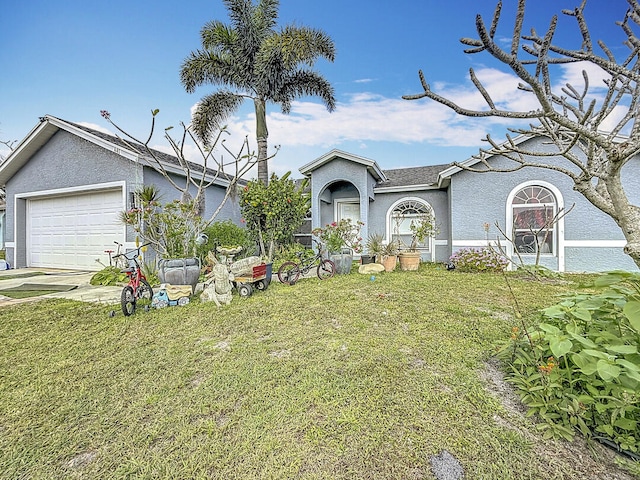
(50, 125)
(334, 154)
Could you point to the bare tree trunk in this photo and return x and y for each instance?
(627, 217)
(261, 135)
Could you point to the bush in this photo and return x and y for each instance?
(288, 253)
(108, 276)
(580, 368)
(227, 234)
(478, 260)
(275, 211)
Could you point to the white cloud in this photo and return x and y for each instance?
(370, 117)
(572, 74)
(365, 118)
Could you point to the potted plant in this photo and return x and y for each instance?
(373, 246)
(389, 255)
(422, 226)
(342, 239)
(174, 231)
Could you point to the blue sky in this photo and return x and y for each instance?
(72, 59)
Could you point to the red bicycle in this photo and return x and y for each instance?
(138, 288)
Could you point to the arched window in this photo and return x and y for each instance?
(534, 211)
(402, 214)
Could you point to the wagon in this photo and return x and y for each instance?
(259, 279)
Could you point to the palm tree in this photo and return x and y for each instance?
(248, 58)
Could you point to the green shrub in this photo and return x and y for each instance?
(227, 233)
(108, 276)
(478, 260)
(275, 211)
(286, 253)
(580, 368)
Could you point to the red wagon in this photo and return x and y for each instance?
(259, 279)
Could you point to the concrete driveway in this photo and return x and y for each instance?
(83, 291)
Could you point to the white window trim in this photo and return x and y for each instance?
(559, 229)
(389, 222)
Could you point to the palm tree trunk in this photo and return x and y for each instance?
(261, 135)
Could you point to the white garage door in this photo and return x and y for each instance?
(73, 231)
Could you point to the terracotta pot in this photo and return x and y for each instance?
(389, 262)
(409, 261)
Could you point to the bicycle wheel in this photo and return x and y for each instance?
(128, 301)
(288, 273)
(144, 294)
(326, 269)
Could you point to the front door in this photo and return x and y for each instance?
(348, 209)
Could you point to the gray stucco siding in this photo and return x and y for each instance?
(332, 173)
(213, 196)
(477, 198)
(437, 199)
(482, 197)
(599, 259)
(64, 162)
(67, 161)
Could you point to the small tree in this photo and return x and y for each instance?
(188, 210)
(198, 176)
(567, 119)
(275, 211)
(537, 236)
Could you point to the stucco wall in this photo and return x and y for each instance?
(213, 196)
(374, 206)
(482, 197)
(64, 162)
(332, 173)
(68, 162)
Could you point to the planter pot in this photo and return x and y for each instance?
(389, 262)
(179, 271)
(409, 261)
(365, 259)
(343, 261)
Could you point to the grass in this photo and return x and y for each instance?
(343, 379)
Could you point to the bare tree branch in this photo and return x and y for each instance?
(570, 120)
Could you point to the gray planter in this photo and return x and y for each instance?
(343, 261)
(179, 271)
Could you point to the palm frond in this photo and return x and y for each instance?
(218, 37)
(305, 83)
(206, 67)
(212, 111)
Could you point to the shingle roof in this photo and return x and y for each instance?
(163, 157)
(400, 177)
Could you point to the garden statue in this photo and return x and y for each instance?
(218, 284)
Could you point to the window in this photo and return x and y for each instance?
(402, 216)
(534, 220)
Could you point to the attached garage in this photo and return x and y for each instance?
(72, 231)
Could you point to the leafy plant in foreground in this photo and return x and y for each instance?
(580, 368)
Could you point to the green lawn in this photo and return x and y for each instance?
(343, 379)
